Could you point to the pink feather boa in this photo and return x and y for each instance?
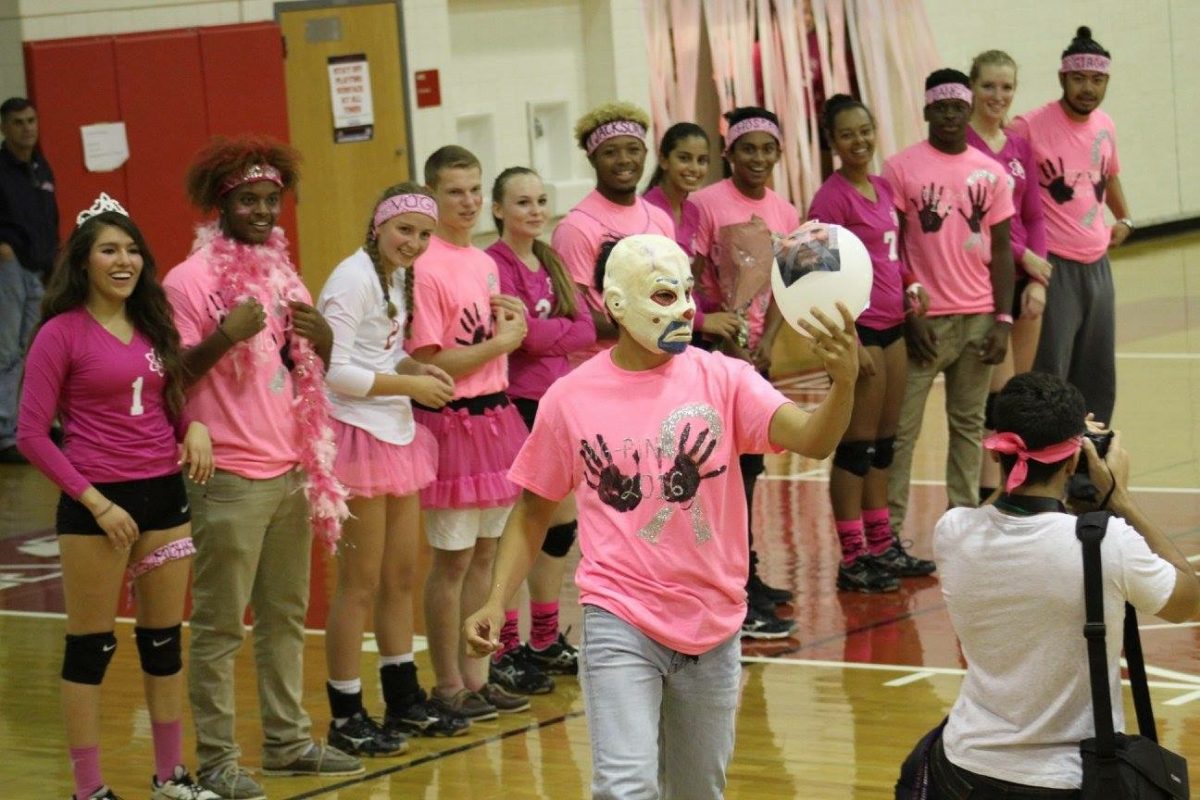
(265, 271)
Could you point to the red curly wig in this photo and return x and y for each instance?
(224, 157)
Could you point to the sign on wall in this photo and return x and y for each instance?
(350, 92)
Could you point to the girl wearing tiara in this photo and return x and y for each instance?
(383, 459)
(559, 325)
(106, 361)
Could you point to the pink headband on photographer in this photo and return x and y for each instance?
(611, 130)
(948, 91)
(399, 204)
(739, 129)
(253, 174)
(1010, 444)
(1085, 62)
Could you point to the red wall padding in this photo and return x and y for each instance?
(172, 89)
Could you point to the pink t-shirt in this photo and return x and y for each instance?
(950, 203)
(878, 226)
(1074, 162)
(578, 236)
(653, 460)
(109, 396)
(1027, 228)
(452, 292)
(247, 405)
(689, 218)
(722, 204)
(542, 357)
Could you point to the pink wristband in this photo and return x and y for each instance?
(1004, 319)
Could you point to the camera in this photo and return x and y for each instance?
(1080, 487)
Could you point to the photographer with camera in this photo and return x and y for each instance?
(1012, 577)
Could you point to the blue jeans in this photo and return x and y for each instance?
(661, 723)
(20, 306)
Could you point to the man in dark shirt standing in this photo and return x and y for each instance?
(28, 243)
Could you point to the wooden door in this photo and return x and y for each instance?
(340, 181)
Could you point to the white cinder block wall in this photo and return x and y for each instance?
(497, 55)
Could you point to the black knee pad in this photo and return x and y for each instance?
(854, 457)
(86, 657)
(885, 450)
(559, 539)
(160, 650)
(989, 408)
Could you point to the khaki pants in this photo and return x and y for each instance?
(253, 546)
(959, 338)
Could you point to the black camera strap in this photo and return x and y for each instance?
(1090, 529)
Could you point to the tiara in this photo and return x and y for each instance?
(102, 204)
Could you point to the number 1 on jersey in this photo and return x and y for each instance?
(136, 410)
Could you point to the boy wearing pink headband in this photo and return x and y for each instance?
(1012, 578)
(954, 204)
(1075, 146)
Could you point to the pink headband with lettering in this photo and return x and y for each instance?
(1085, 62)
(399, 204)
(610, 130)
(948, 91)
(740, 129)
(253, 173)
(1010, 444)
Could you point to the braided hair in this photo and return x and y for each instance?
(371, 248)
(564, 287)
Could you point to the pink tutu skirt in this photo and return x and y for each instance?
(475, 452)
(370, 467)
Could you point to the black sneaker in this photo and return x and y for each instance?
(423, 718)
(765, 626)
(898, 562)
(559, 658)
(363, 736)
(756, 586)
(865, 576)
(517, 674)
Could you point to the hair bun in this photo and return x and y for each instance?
(1083, 32)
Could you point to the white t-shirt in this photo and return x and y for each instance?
(1014, 589)
(365, 342)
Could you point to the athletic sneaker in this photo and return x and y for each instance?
(319, 759)
(363, 736)
(758, 625)
(232, 783)
(467, 704)
(866, 576)
(503, 700)
(897, 561)
(517, 674)
(560, 658)
(180, 786)
(777, 596)
(423, 718)
(103, 793)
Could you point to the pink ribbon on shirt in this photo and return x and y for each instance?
(1010, 444)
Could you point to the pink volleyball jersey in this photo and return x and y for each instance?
(1074, 162)
(877, 225)
(542, 357)
(689, 219)
(1027, 228)
(248, 405)
(578, 236)
(950, 204)
(652, 457)
(452, 293)
(109, 396)
(721, 204)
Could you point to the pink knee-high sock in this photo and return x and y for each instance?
(850, 534)
(85, 765)
(544, 631)
(168, 748)
(879, 530)
(510, 636)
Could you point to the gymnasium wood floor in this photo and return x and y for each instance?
(827, 714)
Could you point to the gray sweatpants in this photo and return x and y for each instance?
(1078, 340)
